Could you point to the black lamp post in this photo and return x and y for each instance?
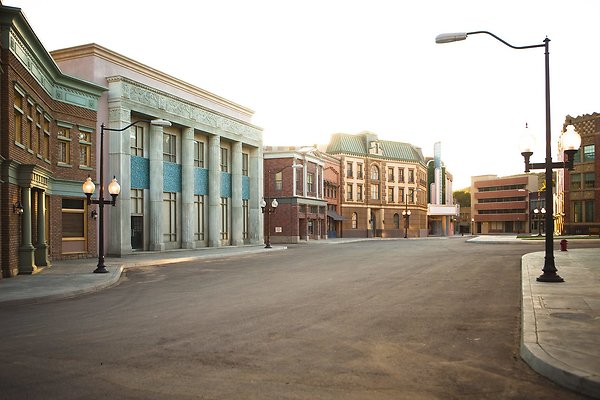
(113, 188)
(406, 213)
(570, 147)
(273, 205)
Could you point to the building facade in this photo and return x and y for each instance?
(295, 178)
(500, 204)
(196, 183)
(442, 213)
(48, 125)
(383, 186)
(331, 192)
(579, 190)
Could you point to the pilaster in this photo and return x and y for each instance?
(155, 240)
(26, 251)
(214, 191)
(187, 189)
(236, 195)
(41, 251)
(255, 217)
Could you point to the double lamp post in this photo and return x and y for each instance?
(406, 212)
(113, 189)
(570, 144)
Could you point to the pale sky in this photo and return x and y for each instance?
(312, 68)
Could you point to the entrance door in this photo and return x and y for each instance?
(137, 232)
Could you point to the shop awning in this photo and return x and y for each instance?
(334, 215)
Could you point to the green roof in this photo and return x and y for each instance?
(344, 143)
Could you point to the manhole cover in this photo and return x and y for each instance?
(573, 316)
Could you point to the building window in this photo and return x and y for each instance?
(224, 159)
(390, 195)
(85, 149)
(30, 126)
(39, 131)
(46, 139)
(359, 171)
(375, 192)
(589, 211)
(279, 181)
(137, 201)
(396, 221)
(198, 154)
(589, 153)
(354, 220)
(245, 219)
(224, 219)
(73, 219)
(169, 216)
(310, 177)
(136, 139)
(411, 176)
(575, 182)
(391, 174)
(577, 211)
(401, 175)
(245, 164)
(589, 180)
(19, 112)
(169, 148)
(375, 173)
(349, 169)
(359, 193)
(349, 192)
(402, 198)
(64, 145)
(199, 220)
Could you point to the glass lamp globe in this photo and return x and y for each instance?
(527, 141)
(571, 140)
(113, 187)
(88, 186)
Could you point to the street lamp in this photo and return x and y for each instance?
(538, 214)
(114, 189)
(406, 213)
(273, 205)
(570, 145)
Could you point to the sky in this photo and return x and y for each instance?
(312, 68)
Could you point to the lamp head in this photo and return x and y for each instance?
(274, 203)
(263, 203)
(571, 140)
(160, 122)
(450, 37)
(88, 186)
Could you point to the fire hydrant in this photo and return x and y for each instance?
(563, 245)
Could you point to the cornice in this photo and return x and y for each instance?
(95, 50)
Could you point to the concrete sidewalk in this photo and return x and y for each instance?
(560, 336)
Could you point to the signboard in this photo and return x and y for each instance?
(278, 229)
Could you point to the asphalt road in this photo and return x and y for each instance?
(401, 319)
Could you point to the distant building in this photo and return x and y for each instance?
(578, 195)
(383, 186)
(295, 178)
(501, 204)
(442, 213)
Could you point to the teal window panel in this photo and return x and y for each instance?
(171, 177)
(140, 173)
(225, 184)
(245, 187)
(200, 181)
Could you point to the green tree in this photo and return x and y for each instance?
(462, 197)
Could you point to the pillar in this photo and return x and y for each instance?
(26, 251)
(214, 191)
(41, 251)
(156, 242)
(237, 224)
(255, 215)
(187, 189)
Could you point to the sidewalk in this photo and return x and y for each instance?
(560, 336)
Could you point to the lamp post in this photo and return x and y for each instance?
(538, 214)
(472, 226)
(273, 205)
(406, 213)
(113, 189)
(570, 146)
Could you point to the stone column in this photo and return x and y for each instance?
(41, 251)
(214, 191)
(156, 242)
(237, 224)
(187, 189)
(255, 215)
(118, 228)
(26, 251)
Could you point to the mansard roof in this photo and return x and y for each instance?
(359, 145)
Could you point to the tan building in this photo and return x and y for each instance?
(383, 187)
(500, 204)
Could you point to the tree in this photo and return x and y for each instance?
(462, 197)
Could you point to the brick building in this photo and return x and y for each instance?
(48, 126)
(380, 180)
(578, 195)
(295, 178)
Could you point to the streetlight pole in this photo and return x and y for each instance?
(549, 269)
(113, 188)
(406, 213)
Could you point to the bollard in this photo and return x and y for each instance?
(563, 245)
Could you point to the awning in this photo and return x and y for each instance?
(334, 215)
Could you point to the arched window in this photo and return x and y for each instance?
(375, 173)
(354, 221)
(396, 221)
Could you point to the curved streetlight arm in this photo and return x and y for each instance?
(508, 44)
